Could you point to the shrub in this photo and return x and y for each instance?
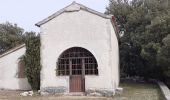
(32, 60)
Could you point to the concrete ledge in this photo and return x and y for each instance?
(165, 90)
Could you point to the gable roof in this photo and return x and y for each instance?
(76, 7)
(12, 50)
(71, 8)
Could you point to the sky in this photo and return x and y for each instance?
(25, 13)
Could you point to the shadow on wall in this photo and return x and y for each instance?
(23, 84)
(0, 84)
(1, 79)
(22, 80)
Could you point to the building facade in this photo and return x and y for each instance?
(12, 70)
(79, 52)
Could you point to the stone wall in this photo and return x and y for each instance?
(63, 91)
(53, 90)
(100, 92)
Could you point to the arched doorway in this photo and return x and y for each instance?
(77, 62)
(21, 68)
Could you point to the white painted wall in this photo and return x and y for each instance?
(9, 69)
(80, 29)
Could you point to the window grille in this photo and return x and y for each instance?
(71, 62)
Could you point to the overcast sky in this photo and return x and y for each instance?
(25, 13)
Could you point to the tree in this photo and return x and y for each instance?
(145, 23)
(163, 59)
(10, 36)
(32, 59)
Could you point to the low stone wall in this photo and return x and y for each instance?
(165, 90)
(63, 91)
(100, 92)
(53, 90)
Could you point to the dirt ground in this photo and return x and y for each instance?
(15, 95)
(131, 91)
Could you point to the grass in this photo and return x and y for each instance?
(139, 91)
(131, 91)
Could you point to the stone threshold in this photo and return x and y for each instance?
(76, 94)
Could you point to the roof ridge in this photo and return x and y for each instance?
(73, 2)
(95, 12)
(65, 9)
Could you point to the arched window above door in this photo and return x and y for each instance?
(77, 61)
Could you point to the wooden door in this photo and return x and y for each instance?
(77, 80)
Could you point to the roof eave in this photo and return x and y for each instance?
(12, 50)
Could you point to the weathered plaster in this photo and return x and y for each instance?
(9, 69)
(86, 30)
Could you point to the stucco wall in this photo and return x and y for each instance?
(114, 55)
(80, 29)
(9, 69)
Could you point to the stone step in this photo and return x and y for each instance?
(76, 94)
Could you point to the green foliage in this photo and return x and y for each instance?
(144, 48)
(10, 36)
(164, 56)
(164, 59)
(32, 59)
